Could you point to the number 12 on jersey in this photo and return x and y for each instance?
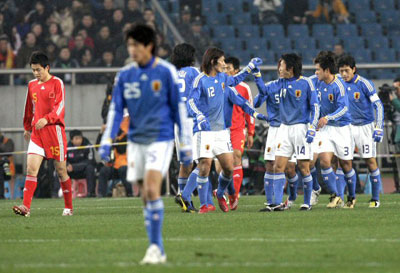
(211, 92)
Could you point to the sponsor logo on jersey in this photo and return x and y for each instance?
(330, 97)
(298, 93)
(356, 95)
(156, 85)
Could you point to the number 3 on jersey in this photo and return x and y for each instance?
(132, 90)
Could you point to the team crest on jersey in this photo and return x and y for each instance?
(320, 143)
(279, 145)
(156, 85)
(207, 147)
(269, 149)
(223, 85)
(298, 93)
(357, 95)
(330, 97)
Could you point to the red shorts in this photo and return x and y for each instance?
(49, 142)
(238, 139)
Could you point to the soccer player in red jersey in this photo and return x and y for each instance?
(45, 130)
(238, 128)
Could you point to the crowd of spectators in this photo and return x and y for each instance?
(77, 33)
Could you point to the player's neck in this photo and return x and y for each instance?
(213, 73)
(329, 79)
(47, 78)
(146, 61)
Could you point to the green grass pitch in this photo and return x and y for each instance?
(108, 235)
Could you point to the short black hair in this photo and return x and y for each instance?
(143, 34)
(348, 60)
(183, 55)
(292, 60)
(75, 133)
(39, 57)
(397, 79)
(210, 58)
(327, 60)
(234, 61)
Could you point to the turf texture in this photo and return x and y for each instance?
(108, 235)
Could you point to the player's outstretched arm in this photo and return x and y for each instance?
(239, 77)
(237, 99)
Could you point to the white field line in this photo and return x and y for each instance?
(197, 264)
(200, 239)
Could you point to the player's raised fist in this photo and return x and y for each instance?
(105, 151)
(378, 135)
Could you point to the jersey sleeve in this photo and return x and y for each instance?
(237, 99)
(236, 79)
(115, 111)
(314, 104)
(28, 111)
(194, 96)
(370, 92)
(56, 115)
(342, 103)
(249, 119)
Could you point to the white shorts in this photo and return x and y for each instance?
(177, 143)
(207, 144)
(337, 140)
(291, 140)
(143, 157)
(293, 159)
(362, 136)
(270, 146)
(33, 148)
(316, 144)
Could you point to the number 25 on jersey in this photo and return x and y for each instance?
(132, 90)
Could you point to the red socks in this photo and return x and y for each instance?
(237, 178)
(67, 193)
(29, 190)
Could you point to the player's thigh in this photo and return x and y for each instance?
(152, 184)
(222, 143)
(284, 145)
(226, 162)
(203, 143)
(54, 142)
(364, 142)
(33, 164)
(136, 156)
(303, 150)
(61, 169)
(316, 145)
(270, 144)
(343, 141)
(280, 163)
(326, 143)
(158, 156)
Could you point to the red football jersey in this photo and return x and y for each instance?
(238, 115)
(45, 100)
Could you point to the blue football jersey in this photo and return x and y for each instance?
(209, 99)
(151, 96)
(334, 102)
(298, 99)
(186, 76)
(362, 101)
(272, 99)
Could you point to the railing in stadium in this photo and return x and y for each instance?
(99, 70)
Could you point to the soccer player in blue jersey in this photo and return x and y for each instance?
(298, 107)
(335, 132)
(149, 90)
(366, 127)
(212, 94)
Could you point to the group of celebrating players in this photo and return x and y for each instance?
(324, 116)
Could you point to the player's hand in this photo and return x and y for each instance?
(202, 123)
(41, 123)
(105, 151)
(27, 136)
(310, 135)
(253, 64)
(260, 116)
(322, 122)
(378, 135)
(250, 141)
(256, 72)
(185, 155)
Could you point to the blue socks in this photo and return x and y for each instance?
(307, 188)
(202, 188)
(340, 182)
(375, 178)
(223, 183)
(231, 188)
(330, 179)
(351, 181)
(279, 180)
(314, 175)
(269, 187)
(153, 219)
(190, 185)
(181, 183)
(210, 194)
(293, 182)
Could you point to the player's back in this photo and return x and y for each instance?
(294, 104)
(146, 92)
(359, 91)
(272, 102)
(332, 97)
(45, 96)
(186, 77)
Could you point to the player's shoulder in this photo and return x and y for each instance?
(198, 79)
(164, 64)
(57, 80)
(127, 69)
(307, 81)
(364, 82)
(32, 83)
(340, 85)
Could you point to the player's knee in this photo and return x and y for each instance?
(325, 164)
(346, 165)
(228, 171)
(372, 164)
(204, 167)
(32, 170)
(269, 166)
(278, 167)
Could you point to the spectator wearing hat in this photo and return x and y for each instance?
(81, 162)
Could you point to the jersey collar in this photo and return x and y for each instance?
(150, 63)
